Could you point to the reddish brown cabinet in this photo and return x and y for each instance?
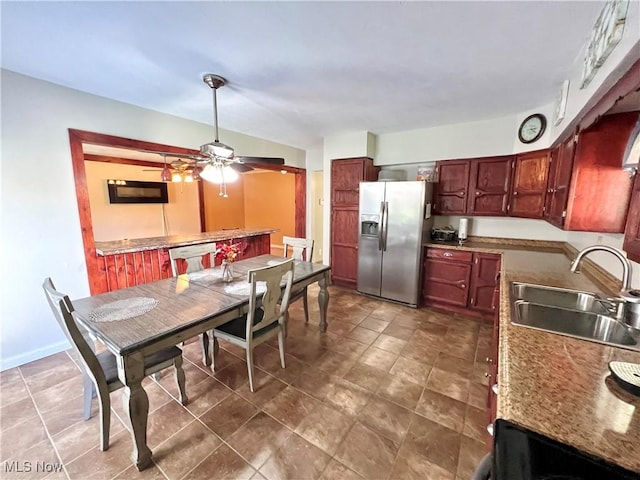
(450, 195)
(346, 175)
(489, 186)
(529, 185)
(560, 168)
(632, 230)
(461, 281)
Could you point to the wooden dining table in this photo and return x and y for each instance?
(188, 305)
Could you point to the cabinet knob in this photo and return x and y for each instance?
(477, 193)
(462, 285)
(486, 375)
(489, 360)
(490, 429)
(462, 193)
(447, 254)
(515, 194)
(494, 388)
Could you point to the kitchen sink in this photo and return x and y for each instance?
(575, 323)
(559, 297)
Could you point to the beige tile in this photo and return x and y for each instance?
(183, 451)
(365, 376)
(349, 348)
(222, 464)
(478, 395)
(412, 466)
(325, 427)
(400, 390)
(96, 464)
(58, 419)
(157, 395)
(411, 370)
(259, 438)
(36, 461)
(305, 350)
(335, 363)
(398, 331)
(442, 409)
(363, 335)
(291, 406)
(419, 353)
(58, 395)
(269, 361)
(166, 421)
(193, 376)
(389, 343)
(12, 387)
(375, 324)
(347, 397)
(46, 365)
(337, 471)
(450, 363)
(367, 452)
(205, 395)
(296, 459)
(386, 418)
(15, 413)
(229, 415)
(315, 383)
(378, 358)
(471, 453)
(265, 387)
(65, 370)
(438, 444)
(17, 439)
(448, 383)
(152, 472)
(475, 423)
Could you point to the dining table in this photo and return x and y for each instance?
(185, 306)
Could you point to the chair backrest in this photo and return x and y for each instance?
(193, 255)
(63, 312)
(272, 310)
(302, 248)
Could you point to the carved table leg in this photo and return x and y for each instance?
(136, 405)
(323, 301)
(214, 347)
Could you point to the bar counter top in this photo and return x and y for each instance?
(117, 247)
(554, 384)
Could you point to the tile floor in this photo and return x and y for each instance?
(388, 393)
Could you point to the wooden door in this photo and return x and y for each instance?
(489, 182)
(450, 196)
(632, 231)
(561, 177)
(484, 279)
(346, 176)
(344, 246)
(529, 186)
(600, 189)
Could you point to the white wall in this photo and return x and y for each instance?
(40, 225)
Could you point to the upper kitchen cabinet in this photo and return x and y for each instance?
(489, 182)
(346, 175)
(450, 195)
(529, 186)
(600, 190)
(560, 167)
(632, 231)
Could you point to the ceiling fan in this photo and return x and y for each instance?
(217, 162)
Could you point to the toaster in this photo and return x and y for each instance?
(447, 234)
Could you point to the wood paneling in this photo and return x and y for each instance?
(489, 186)
(450, 195)
(529, 185)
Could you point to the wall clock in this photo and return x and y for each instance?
(532, 128)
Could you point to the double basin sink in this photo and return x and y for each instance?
(574, 313)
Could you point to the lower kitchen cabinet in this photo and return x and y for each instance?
(461, 281)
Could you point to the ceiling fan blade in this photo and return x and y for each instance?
(269, 160)
(240, 167)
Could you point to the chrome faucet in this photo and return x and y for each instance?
(626, 265)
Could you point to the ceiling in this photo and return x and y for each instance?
(300, 71)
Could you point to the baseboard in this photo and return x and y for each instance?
(17, 360)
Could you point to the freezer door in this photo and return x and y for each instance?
(402, 231)
(370, 237)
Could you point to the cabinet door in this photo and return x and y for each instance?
(600, 189)
(344, 246)
(346, 176)
(632, 230)
(446, 281)
(484, 279)
(529, 186)
(450, 196)
(561, 167)
(489, 186)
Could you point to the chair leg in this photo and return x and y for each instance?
(87, 396)
(305, 304)
(105, 417)
(281, 347)
(206, 352)
(285, 325)
(214, 347)
(180, 380)
(250, 366)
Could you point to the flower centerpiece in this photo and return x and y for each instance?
(227, 253)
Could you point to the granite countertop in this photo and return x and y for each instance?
(557, 385)
(153, 243)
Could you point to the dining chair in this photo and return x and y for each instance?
(194, 255)
(100, 371)
(266, 314)
(301, 250)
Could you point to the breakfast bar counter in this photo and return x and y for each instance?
(554, 384)
(125, 263)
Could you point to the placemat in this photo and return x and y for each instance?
(123, 309)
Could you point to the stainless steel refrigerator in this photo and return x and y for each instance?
(395, 218)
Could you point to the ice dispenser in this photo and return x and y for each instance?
(369, 225)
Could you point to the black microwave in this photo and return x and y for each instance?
(132, 191)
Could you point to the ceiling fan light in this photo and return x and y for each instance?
(229, 174)
(217, 149)
(188, 177)
(176, 177)
(212, 173)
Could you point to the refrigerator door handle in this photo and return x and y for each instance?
(385, 223)
(381, 226)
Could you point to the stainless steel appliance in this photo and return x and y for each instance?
(395, 218)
